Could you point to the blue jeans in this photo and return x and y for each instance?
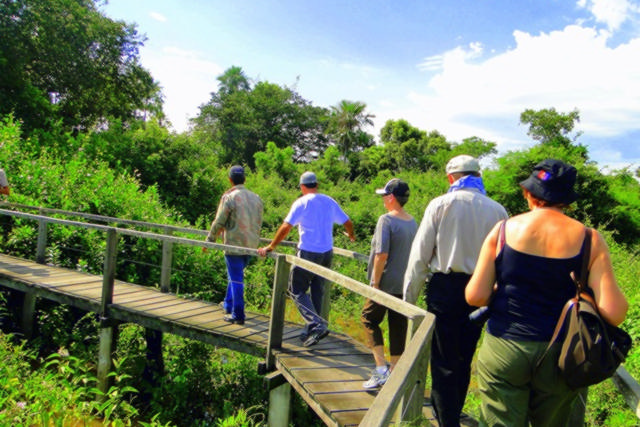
(234, 300)
(300, 281)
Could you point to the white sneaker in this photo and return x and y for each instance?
(377, 379)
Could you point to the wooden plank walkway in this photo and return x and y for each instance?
(328, 375)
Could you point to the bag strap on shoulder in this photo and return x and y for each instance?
(501, 237)
(581, 289)
(583, 282)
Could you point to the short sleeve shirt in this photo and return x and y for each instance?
(393, 236)
(315, 214)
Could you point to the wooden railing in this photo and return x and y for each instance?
(404, 391)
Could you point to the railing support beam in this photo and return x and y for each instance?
(41, 248)
(28, 318)
(280, 405)
(107, 329)
(278, 300)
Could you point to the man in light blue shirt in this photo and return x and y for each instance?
(314, 214)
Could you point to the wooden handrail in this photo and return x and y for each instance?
(166, 227)
(381, 297)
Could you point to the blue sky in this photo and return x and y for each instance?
(462, 67)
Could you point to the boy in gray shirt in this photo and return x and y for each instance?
(390, 247)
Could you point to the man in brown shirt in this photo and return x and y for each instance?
(239, 219)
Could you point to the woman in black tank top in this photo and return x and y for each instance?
(529, 274)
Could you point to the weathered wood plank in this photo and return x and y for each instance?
(338, 387)
(77, 280)
(131, 297)
(338, 402)
(349, 418)
(42, 276)
(79, 287)
(329, 362)
(305, 376)
(152, 298)
(157, 306)
(180, 309)
(64, 279)
(186, 315)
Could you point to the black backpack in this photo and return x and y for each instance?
(592, 349)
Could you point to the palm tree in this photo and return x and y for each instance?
(233, 80)
(346, 125)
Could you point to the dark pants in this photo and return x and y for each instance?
(454, 343)
(300, 281)
(234, 299)
(371, 318)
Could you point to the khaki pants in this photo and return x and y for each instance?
(515, 391)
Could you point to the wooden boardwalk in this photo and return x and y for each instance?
(328, 375)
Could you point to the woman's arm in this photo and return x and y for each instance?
(611, 301)
(480, 287)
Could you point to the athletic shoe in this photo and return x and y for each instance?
(315, 337)
(231, 319)
(221, 304)
(377, 379)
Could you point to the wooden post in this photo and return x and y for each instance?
(107, 328)
(280, 406)
(167, 259)
(326, 300)
(28, 314)
(279, 413)
(27, 318)
(109, 271)
(155, 364)
(413, 399)
(41, 248)
(276, 322)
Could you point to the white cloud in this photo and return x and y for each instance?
(187, 80)
(158, 17)
(567, 69)
(612, 13)
(457, 55)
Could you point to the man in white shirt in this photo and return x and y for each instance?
(446, 247)
(314, 214)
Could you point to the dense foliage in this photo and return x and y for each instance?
(62, 60)
(75, 134)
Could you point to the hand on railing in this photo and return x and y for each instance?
(263, 251)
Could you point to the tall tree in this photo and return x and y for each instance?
(239, 120)
(64, 61)
(412, 148)
(233, 80)
(346, 126)
(551, 127)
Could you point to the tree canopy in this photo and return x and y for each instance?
(64, 61)
(241, 118)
